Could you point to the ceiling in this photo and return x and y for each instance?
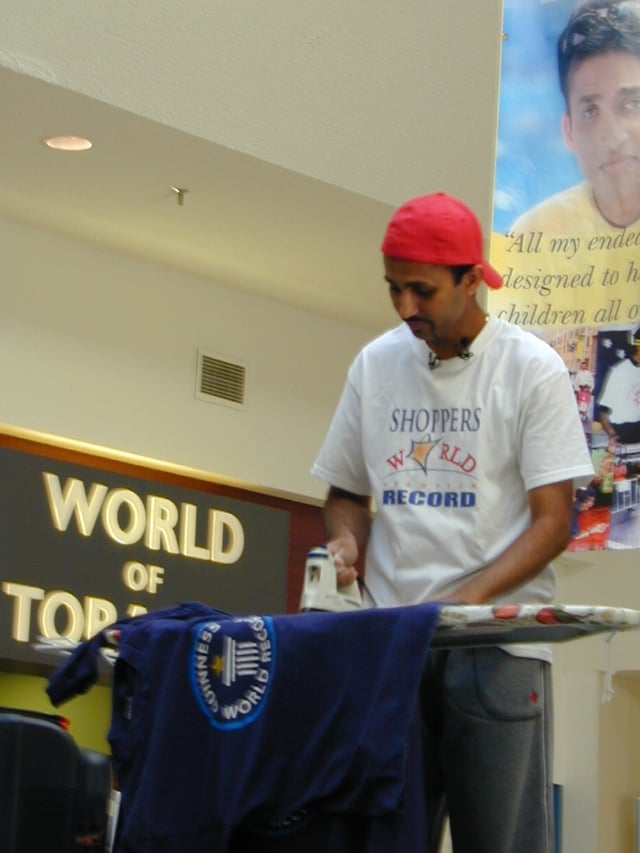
(295, 129)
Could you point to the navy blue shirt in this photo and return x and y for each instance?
(222, 722)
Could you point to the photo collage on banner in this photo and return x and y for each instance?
(566, 228)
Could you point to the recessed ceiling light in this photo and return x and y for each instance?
(68, 143)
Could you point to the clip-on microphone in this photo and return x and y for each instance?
(465, 353)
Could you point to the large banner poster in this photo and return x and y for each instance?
(566, 229)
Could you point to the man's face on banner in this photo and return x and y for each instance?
(602, 128)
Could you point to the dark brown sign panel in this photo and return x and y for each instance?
(82, 545)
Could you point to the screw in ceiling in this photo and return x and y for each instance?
(180, 194)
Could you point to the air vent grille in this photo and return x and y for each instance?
(220, 380)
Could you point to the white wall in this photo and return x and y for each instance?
(620, 764)
(102, 348)
(581, 668)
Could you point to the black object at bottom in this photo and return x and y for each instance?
(314, 833)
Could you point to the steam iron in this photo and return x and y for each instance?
(321, 590)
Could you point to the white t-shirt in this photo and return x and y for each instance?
(621, 392)
(448, 455)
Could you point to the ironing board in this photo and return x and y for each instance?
(463, 625)
(474, 625)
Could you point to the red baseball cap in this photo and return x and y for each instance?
(438, 229)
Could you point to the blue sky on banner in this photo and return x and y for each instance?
(532, 161)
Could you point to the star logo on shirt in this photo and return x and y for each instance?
(420, 451)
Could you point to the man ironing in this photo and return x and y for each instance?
(462, 432)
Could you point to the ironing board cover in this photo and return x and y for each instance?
(521, 623)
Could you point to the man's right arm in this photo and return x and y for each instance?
(347, 521)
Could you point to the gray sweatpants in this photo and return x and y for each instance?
(487, 747)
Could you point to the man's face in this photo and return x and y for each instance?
(602, 128)
(428, 300)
